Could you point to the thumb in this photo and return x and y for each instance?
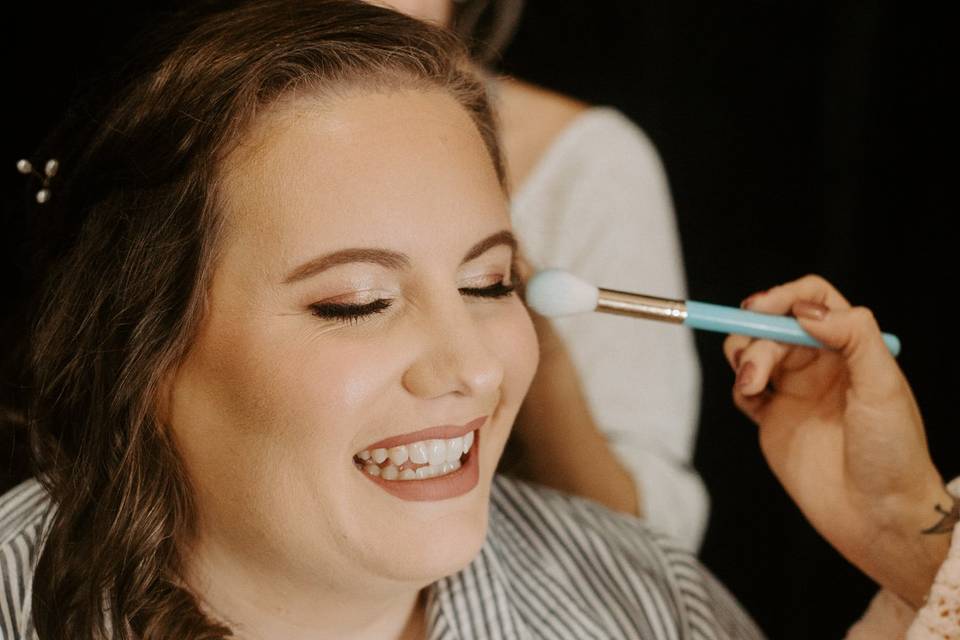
(855, 335)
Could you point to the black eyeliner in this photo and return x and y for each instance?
(337, 311)
(352, 313)
(498, 290)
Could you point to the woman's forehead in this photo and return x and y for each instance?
(360, 168)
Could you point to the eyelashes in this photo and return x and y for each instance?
(349, 313)
(353, 313)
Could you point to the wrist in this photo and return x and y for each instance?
(924, 538)
(949, 517)
(905, 514)
(933, 514)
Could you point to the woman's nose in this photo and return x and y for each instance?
(454, 355)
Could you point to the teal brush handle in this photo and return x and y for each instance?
(715, 317)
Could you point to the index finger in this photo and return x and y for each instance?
(811, 288)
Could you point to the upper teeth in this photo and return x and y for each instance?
(432, 452)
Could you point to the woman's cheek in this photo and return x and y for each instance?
(349, 376)
(519, 350)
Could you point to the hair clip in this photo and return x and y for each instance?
(49, 170)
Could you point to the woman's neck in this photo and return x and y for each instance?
(259, 606)
(416, 628)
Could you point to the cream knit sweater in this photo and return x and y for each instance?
(598, 205)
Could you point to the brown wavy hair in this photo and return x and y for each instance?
(128, 244)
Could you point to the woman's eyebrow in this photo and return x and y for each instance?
(494, 240)
(389, 259)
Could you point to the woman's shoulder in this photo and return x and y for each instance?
(531, 118)
(631, 575)
(600, 149)
(557, 521)
(548, 133)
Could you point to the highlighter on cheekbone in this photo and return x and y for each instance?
(555, 292)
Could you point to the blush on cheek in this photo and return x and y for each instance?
(255, 375)
(347, 376)
(521, 348)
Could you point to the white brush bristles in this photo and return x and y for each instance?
(555, 292)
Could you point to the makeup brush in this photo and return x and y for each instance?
(555, 292)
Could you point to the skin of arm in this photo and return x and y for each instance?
(563, 446)
(842, 432)
(555, 428)
(619, 198)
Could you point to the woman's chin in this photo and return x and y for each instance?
(440, 550)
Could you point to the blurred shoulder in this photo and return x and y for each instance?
(537, 108)
(545, 132)
(531, 118)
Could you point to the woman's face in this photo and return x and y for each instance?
(281, 410)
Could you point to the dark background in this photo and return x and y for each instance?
(798, 137)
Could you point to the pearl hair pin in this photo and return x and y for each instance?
(25, 167)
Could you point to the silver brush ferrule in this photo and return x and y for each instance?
(638, 306)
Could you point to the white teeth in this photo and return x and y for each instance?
(398, 455)
(440, 457)
(390, 473)
(418, 452)
(426, 472)
(436, 452)
(454, 449)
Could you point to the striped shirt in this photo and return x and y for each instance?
(553, 566)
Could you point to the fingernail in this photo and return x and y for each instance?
(749, 300)
(745, 375)
(810, 310)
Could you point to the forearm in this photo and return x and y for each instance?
(641, 380)
(890, 616)
(905, 555)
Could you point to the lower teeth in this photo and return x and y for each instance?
(391, 472)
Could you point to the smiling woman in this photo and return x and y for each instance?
(275, 397)
(280, 349)
(279, 354)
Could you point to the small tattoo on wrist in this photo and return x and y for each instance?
(948, 521)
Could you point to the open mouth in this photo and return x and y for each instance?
(421, 460)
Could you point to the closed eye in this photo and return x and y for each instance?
(350, 313)
(353, 313)
(499, 290)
